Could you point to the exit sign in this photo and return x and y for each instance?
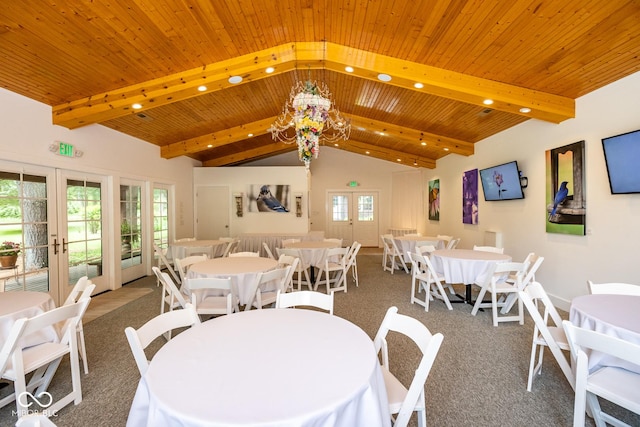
(66, 149)
(353, 183)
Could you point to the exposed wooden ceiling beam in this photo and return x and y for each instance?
(388, 154)
(252, 154)
(260, 127)
(286, 57)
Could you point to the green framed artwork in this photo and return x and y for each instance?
(565, 190)
(434, 200)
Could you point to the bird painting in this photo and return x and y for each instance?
(561, 195)
(267, 202)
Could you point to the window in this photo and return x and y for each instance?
(365, 208)
(340, 208)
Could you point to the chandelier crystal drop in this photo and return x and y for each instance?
(307, 119)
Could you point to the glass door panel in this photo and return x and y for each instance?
(131, 227)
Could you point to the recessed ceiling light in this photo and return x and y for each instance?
(423, 143)
(446, 149)
(525, 110)
(367, 152)
(380, 133)
(210, 145)
(235, 79)
(136, 106)
(269, 70)
(348, 69)
(399, 160)
(250, 135)
(384, 77)
(202, 88)
(418, 85)
(336, 145)
(487, 101)
(361, 128)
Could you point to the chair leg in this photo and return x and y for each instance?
(82, 348)
(532, 361)
(478, 303)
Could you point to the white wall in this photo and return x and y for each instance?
(27, 132)
(238, 180)
(608, 251)
(334, 169)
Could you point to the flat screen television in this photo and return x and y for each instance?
(622, 157)
(501, 182)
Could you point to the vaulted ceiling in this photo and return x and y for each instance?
(92, 60)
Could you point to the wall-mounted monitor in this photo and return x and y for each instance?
(622, 156)
(501, 182)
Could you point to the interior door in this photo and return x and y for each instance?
(353, 216)
(212, 212)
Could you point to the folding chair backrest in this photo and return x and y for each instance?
(169, 287)
(429, 344)
(82, 289)
(305, 298)
(613, 288)
(163, 262)
(139, 339)
(425, 249)
(183, 264)
(453, 243)
(245, 254)
(267, 250)
(231, 246)
(488, 249)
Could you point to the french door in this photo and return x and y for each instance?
(132, 239)
(55, 219)
(353, 216)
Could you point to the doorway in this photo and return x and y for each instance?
(353, 216)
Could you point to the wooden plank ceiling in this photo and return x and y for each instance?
(91, 61)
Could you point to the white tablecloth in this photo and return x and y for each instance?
(312, 252)
(179, 249)
(252, 242)
(20, 304)
(408, 243)
(615, 315)
(464, 265)
(242, 270)
(274, 367)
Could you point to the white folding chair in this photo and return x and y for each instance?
(231, 245)
(266, 286)
(42, 359)
(352, 261)
(544, 334)
(532, 263)
(162, 324)
(453, 243)
(306, 299)
(444, 237)
(495, 282)
(338, 242)
(267, 250)
(488, 249)
(171, 295)
(163, 262)
(617, 385)
(424, 277)
(335, 261)
(613, 288)
(244, 254)
(391, 253)
(82, 289)
(213, 295)
(404, 401)
(301, 270)
(183, 264)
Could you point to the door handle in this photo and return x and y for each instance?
(64, 245)
(55, 246)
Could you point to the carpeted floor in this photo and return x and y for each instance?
(478, 379)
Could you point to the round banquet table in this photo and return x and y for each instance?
(19, 304)
(615, 315)
(408, 244)
(215, 247)
(312, 252)
(465, 266)
(242, 270)
(303, 368)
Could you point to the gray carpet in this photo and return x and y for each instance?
(478, 379)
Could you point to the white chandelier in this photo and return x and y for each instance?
(309, 112)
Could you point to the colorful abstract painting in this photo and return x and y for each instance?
(470, 197)
(434, 200)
